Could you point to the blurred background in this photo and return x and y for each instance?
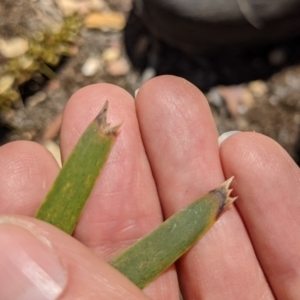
(244, 54)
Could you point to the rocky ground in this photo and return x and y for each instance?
(270, 106)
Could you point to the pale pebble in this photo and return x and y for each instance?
(111, 54)
(91, 66)
(118, 67)
(13, 47)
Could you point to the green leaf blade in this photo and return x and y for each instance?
(66, 199)
(153, 254)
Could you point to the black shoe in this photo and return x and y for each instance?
(213, 42)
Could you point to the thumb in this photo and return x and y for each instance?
(38, 261)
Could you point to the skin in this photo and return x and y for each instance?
(167, 155)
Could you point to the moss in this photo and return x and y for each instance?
(45, 49)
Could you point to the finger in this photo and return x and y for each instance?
(181, 142)
(38, 261)
(267, 182)
(123, 205)
(27, 171)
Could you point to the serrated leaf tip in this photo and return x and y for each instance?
(104, 126)
(224, 192)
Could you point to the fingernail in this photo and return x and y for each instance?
(226, 135)
(136, 92)
(29, 268)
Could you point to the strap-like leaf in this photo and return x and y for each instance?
(66, 199)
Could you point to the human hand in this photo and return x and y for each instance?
(166, 155)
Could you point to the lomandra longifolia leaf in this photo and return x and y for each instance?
(150, 256)
(66, 199)
(154, 253)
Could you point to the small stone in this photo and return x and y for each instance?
(258, 88)
(91, 66)
(243, 124)
(96, 5)
(36, 99)
(292, 80)
(274, 100)
(29, 135)
(238, 99)
(148, 74)
(53, 84)
(105, 21)
(73, 50)
(118, 67)
(13, 47)
(215, 98)
(6, 83)
(111, 54)
(69, 7)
